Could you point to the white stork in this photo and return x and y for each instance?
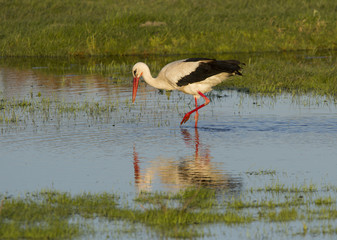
(194, 76)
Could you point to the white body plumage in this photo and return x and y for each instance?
(194, 76)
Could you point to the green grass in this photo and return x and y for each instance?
(77, 28)
(295, 73)
(186, 214)
(52, 210)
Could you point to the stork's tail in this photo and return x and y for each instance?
(235, 66)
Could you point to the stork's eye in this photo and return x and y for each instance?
(135, 72)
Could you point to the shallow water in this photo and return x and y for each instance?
(143, 147)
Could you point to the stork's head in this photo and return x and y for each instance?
(136, 73)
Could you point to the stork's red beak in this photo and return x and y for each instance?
(135, 87)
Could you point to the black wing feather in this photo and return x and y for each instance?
(197, 59)
(208, 69)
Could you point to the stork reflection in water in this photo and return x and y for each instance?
(196, 170)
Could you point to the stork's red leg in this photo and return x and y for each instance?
(187, 115)
(196, 116)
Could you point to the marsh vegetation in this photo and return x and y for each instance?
(189, 213)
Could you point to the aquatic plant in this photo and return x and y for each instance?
(185, 214)
(46, 109)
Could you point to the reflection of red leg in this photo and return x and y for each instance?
(187, 137)
(207, 156)
(196, 139)
(135, 165)
(187, 115)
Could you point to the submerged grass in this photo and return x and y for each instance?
(53, 215)
(77, 28)
(44, 109)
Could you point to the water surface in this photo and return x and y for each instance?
(142, 147)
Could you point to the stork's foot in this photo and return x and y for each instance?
(186, 117)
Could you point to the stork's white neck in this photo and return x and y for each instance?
(159, 82)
